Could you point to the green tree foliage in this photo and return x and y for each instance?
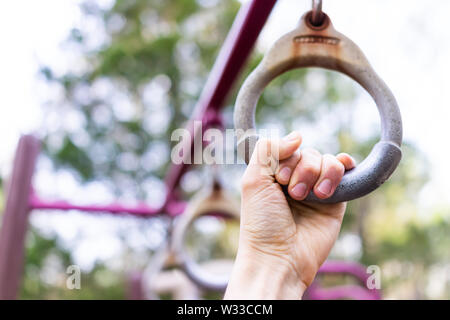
(46, 276)
(138, 85)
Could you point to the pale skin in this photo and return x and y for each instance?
(283, 242)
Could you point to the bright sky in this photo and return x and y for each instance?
(30, 31)
(406, 41)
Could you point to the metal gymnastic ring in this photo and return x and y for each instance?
(214, 201)
(322, 46)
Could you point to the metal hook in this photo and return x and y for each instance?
(317, 16)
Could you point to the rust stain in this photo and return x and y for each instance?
(309, 38)
(317, 39)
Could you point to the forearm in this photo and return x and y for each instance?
(258, 277)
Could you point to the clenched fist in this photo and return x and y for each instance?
(283, 242)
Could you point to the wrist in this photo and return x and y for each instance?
(257, 276)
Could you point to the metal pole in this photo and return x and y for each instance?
(15, 218)
(239, 42)
(135, 290)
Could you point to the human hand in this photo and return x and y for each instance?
(284, 241)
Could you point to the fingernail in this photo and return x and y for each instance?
(293, 136)
(325, 187)
(299, 191)
(285, 174)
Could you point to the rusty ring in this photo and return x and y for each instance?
(204, 203)
(308, 47)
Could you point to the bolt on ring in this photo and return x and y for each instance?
(317, 16)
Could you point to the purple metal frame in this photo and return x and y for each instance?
(135, 289)
(21, 199)
(15, 217)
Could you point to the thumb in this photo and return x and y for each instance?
(268, 152)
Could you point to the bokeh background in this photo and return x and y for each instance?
(104, 83)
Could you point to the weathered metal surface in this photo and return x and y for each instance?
(324, 47)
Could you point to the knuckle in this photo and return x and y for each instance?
(337, 171)
(334, 165)
(309, 169)
(279, 167)
(343, 154)
(311, 152)
(266, 149)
